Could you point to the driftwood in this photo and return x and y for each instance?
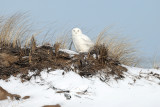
(4, 94)
(52, 105)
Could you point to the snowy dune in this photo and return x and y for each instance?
(84, 92)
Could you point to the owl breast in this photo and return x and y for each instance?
(80, 44)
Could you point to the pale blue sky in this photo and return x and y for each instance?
(138, 19)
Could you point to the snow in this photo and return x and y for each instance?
(84, 92)
(70, 52)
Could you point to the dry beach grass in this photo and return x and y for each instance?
(120, 48)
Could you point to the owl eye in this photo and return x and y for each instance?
(77, 30)
(73, 30)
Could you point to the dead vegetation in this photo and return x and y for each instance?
(15, 31)
(19, 54)
(155, 62)
(63, 41)
(46, 57)
(119, 48)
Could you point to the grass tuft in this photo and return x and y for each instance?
(15, 30)
(119, 48)
(155, 62)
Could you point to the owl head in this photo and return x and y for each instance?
(76, 31)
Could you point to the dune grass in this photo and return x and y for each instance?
(15, 31)
(155, 61)
(64, 41)
(119, 48)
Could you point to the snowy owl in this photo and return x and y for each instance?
(81, 42)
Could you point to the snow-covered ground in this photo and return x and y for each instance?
(85, 92)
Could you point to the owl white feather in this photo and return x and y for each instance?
(81, 42)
